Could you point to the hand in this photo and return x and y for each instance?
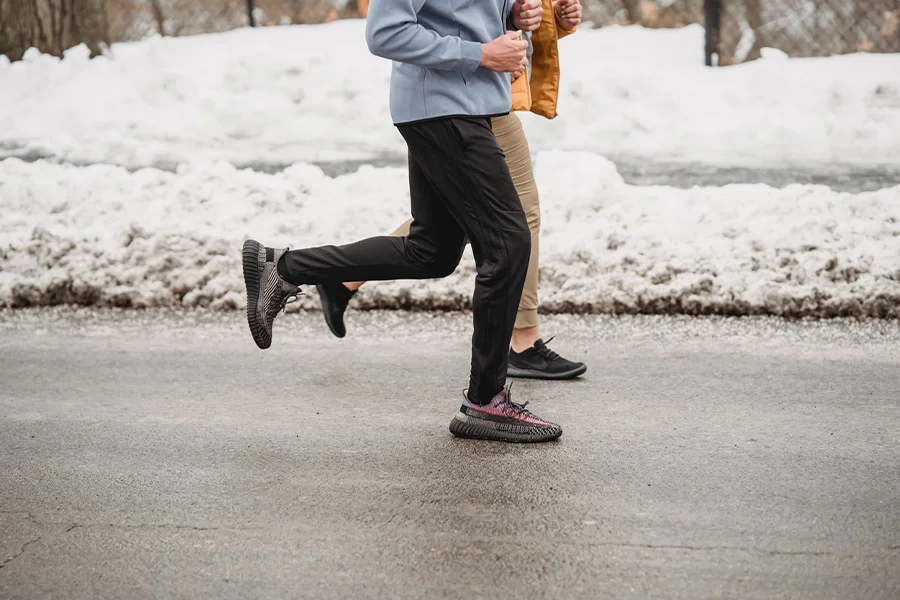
(506, 54)
(518, 72)
(527, 14)
(569, 12)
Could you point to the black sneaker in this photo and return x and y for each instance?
(267, 292)
(335, 298)
(540, 362)
(501, 420)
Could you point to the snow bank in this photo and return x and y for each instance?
(306, 93)
(101, 235)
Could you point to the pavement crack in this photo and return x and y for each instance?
(28, 516)
(157, 526)
(745, 549)
(732, 548)
(20, 552)
(72, 526)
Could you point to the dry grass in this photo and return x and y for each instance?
(136, 19)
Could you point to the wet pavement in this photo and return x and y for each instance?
(159, 454)
(840, 177)
(635, 170)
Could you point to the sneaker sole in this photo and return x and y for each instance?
(512, 371)
(326, 310)
(250, 254)
(472, 431)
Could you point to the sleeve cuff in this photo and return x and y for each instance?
(560, 28)
(471, 56)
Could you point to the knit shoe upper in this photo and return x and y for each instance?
(267, 292)
(503, 420)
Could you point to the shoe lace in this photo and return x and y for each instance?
(511, 408)
(290, 298)
(546, 352)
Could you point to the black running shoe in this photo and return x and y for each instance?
(502, 420)
(540, 362)
(335, 298)
(267, 292)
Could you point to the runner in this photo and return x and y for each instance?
(537, 92)
(450, 77)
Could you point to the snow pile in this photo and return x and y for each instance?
(313, 92)
(101, 235)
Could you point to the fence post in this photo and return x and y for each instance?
(250, 13)
(712, 15)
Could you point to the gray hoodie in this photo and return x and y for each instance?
(436, 49)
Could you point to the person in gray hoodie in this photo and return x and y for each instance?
(451, 66)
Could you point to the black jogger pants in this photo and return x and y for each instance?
(460, 188)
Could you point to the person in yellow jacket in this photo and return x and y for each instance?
(536, 89)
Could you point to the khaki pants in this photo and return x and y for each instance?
(511, 138)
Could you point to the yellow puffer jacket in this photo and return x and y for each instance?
(540, 94)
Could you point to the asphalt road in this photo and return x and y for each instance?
(161, 455)
(635, 170)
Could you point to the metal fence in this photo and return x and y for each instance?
(737, 30)
(657, 14)
(803, 27)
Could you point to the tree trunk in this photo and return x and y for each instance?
(51, 26)
(158, 16)
(633, 9)
(753, 12)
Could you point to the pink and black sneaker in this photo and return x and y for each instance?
(502, 420)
